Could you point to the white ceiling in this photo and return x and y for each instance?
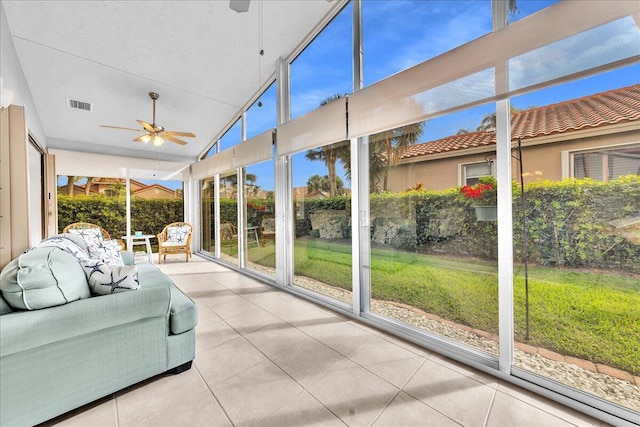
(200, 56)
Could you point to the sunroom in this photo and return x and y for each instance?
(339, 152)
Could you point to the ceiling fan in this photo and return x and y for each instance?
(155, 133)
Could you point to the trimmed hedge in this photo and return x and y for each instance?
(147, 215)
(567, 222)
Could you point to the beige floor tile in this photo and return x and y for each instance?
(342, 336)
(226, 360)
(253, 319)
(302, 410)
(451, 393)
(201, 411)
(414, 348)
(547, 405)
(388, 361)
(509, 411)
(233, 307)
(407, 411)
(307, 360)
(212, 297)
(273, 338)
(138, 404)
(352, 393)
(209, 335)
(264, 299)
(464, 369)
(101, 413)
(256, 393)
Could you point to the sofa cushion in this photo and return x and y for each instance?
(105, 279)
(4, 307)
(183, 312)
(68, 242)
(43, 277)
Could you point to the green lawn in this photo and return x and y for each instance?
(590, 315)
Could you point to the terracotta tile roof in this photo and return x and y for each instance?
(602, 109)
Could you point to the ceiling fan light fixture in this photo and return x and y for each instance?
(157, 140)
(145, 138)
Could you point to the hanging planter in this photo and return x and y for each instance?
(486, 213)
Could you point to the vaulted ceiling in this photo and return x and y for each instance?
(201, 57)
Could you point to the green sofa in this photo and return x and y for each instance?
(58, 358)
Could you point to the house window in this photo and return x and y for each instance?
(474, 171)
(606, 164)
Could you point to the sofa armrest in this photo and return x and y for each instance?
(128, 257)
(24, 330)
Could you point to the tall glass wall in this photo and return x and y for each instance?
(229, 251)
(208, 215)
(577, 241)
(569, 209)
(433, 241)
(322, 216)
(260, 222)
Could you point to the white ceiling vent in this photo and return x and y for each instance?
(79, 105)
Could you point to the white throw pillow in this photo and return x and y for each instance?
(105, 279)
(107, 251)
(178, 234)
(93, 236)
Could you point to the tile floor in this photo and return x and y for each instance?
(267, 358)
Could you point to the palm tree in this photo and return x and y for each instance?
(387, 148)
(330, 154)
(71, 180)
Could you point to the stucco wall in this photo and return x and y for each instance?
(542, 161)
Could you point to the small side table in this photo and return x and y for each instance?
(140, 240)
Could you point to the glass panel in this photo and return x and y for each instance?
(261, 116)
(525, 8)
(229, 217)
(577, 244)
(429, 29)
(615, 41)
(231, 137)
(322, 204)
(259, 195)
(324, 68)
(433, 260)
(207, 198)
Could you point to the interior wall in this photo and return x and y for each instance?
(14, 80)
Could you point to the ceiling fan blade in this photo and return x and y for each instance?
(141, 138)
(118, 127)
(189, 134)
(146, 125)
(164, 135)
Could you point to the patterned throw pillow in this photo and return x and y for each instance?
(107, 251)
(105, 279)
(178, 234)
(93, 236)
(65, 243)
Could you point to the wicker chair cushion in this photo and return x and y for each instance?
(178, 234)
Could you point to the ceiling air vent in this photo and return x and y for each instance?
(79, 105)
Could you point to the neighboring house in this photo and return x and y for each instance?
(157, 191)
(138, 189)
(596, 136)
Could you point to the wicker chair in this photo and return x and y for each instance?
(88, 226)
(175, 238)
